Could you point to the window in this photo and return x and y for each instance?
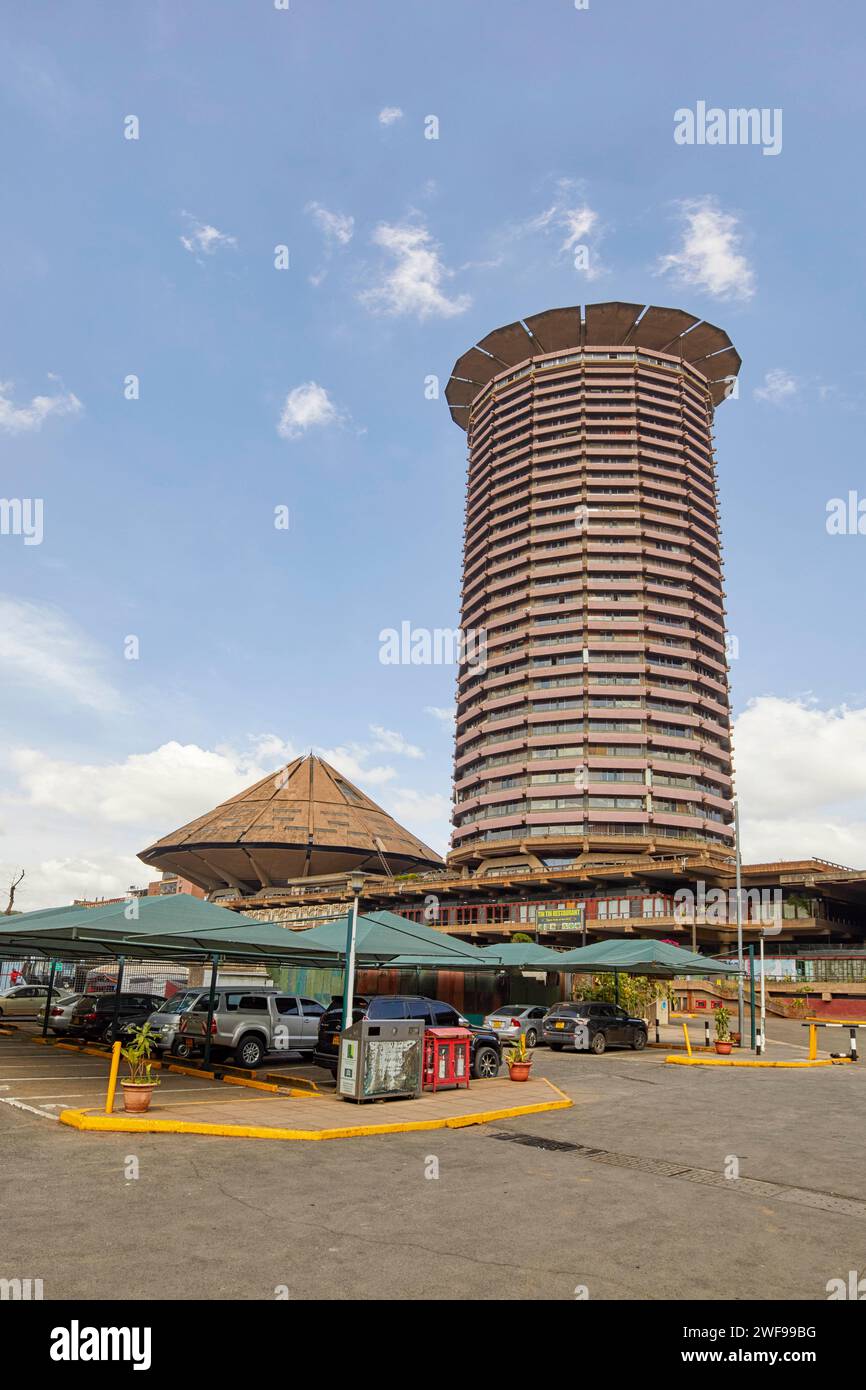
(286, 1004)
(312, 1008)
(418, 1008)
(248, 1003)
(444, 1016)
(387, 1008)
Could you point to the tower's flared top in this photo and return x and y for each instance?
(707, 348)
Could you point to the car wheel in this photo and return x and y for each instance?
(107, 1034)
(531, 1037)
(639, 1040)
(249, 1052)
(486, 1064)
(598, 1044)
(181, 1048)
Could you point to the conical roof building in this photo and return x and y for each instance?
(304, 820)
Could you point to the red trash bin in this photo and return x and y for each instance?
(446, 1057)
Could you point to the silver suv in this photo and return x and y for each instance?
(252, 1020)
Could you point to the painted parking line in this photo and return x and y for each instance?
(68, 1076)
(32, 1109)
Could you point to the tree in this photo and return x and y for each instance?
(10, 906)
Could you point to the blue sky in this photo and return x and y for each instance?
(260, 127)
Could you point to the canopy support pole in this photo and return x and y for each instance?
(48, 998)
(121, 961)
(211, 1004)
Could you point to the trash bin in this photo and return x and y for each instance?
(446, 1057)
(381, 1059)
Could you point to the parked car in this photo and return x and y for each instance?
(165, 1020)
(22, 1001)
(485, 1052)
(590, 1025)
(250, 1021)
(93, 1016)
(60, 1012)
(513, 1019)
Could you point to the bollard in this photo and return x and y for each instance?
(813, 1041)
(853, 1052)
(707, 1034)
(658, 1034)
(112, 1078)
(686, 1036)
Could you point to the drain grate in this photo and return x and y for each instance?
(708, 1177)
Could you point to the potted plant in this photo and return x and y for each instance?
(519, 1060)
(139, 1086)
(723, 1036)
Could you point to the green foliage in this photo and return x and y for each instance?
(521, 936)
(142, 1042)
(518, 1052)
(636, 992)
(722, 1020)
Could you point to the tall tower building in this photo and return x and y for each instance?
(593, 715)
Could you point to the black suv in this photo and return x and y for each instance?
(485, 1050)
(588, 1024)
(93, 1015)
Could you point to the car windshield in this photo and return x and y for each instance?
(179, 1003)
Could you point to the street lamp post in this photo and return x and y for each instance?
(739, 919)
(356, 883)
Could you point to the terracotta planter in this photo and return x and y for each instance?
(723, 1048)
(136, 1097)
(519, 1071)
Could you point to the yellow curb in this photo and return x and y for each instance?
(301, 1081)
(749, 1062)
(85, 1120)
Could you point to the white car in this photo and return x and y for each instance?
(22, 1001)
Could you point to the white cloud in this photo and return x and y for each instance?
(165, 788)
(351, 760)
(338, 227)
(388, 741)
(414, 282)
(389, 114)
(203, 239)
(100, 814)
(19, 419)
(709, 257)
(448, 717)
(576, 223)
(304, 408)
(779, 386)
(42, 651)
(801, 781)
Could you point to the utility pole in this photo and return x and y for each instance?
(739, 918)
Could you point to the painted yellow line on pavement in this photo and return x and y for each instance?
(799, 1065)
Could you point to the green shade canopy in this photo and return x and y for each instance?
(428, 962)
(382, 936)
(523, 955)
(172, 926)
(642, 957)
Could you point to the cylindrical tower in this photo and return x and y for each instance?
(593, 713)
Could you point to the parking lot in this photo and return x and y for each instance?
(660, 1182)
